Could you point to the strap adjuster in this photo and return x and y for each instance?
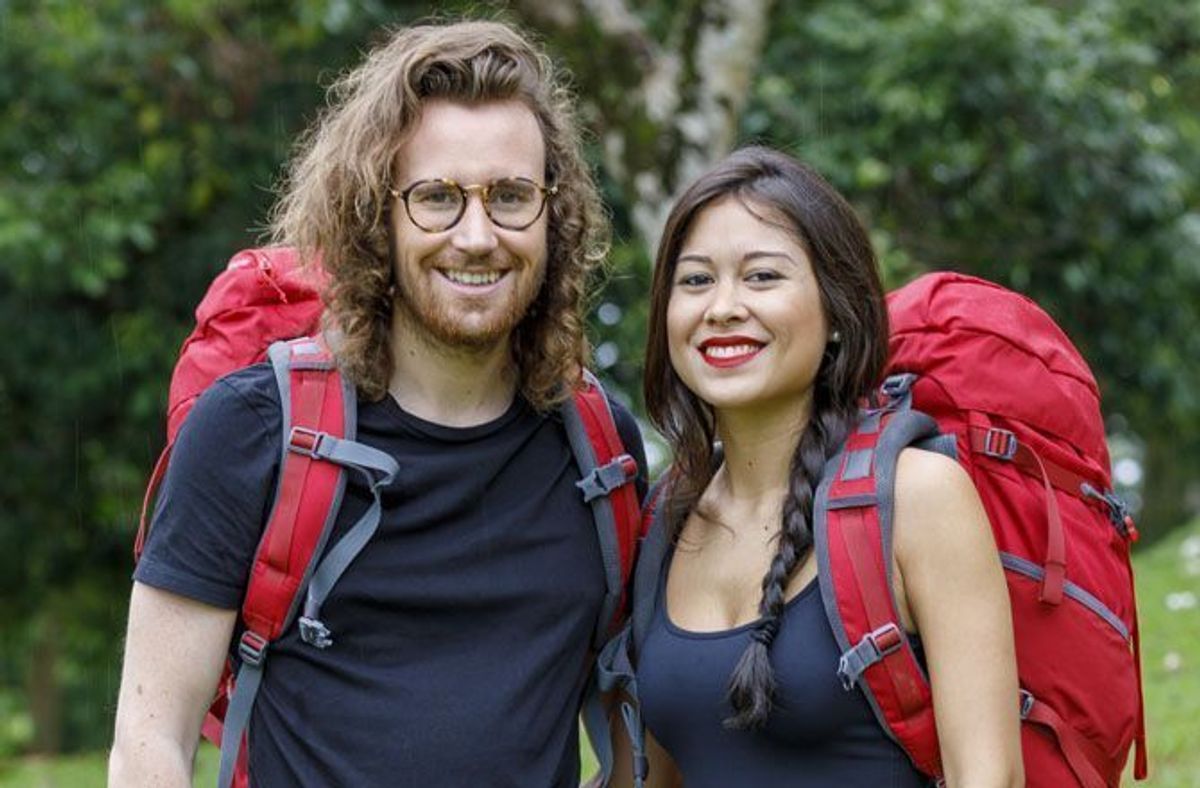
(608, 477)
(1000, 444)
(307, 442)
(252, 648)
(314, 632)
(874, 646)
(899, 385)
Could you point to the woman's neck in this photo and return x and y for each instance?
(758, 447)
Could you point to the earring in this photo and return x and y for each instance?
(835, 337)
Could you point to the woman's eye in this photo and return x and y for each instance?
(763, 276)
(694, 280)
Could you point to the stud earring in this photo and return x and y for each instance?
(835, 337)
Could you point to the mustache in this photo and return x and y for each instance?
(497, 258)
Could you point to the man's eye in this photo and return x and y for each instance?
(510, 194)
(438, 196)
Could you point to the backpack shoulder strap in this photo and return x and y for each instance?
(608, 473)
(647, 573)
(853, 538)
(314, 401)
(614, 663)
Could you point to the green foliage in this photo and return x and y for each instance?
(140, 142)
(1168, 584)
(1051, 147)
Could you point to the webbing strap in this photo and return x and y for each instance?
(856, 531)
(613, 672)
(379, 469)
(1003, 445)
(1141, 765)
(1088, 763)
(237, 717)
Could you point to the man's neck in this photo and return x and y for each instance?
(452, 386)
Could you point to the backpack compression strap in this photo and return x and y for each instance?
(319, 422)
(614, 665)
(608, 473)
(853, 537)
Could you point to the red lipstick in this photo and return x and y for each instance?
(729, 351)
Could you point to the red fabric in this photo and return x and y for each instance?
(986, 355)
(606, 443)
(858, 572)
(262, 296)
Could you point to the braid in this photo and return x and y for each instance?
(752, 683)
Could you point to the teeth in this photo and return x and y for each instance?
(729, 351)
(476, 278)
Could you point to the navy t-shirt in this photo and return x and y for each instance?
(462, 631)
(817, 735)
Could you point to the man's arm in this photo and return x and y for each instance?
(175, 649)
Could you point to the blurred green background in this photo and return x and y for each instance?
(1050, 146)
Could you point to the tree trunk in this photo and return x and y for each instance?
(44, 686)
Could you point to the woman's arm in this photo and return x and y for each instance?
(953, 586)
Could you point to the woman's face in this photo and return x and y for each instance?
(744, 318)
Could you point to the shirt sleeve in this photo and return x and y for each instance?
(217, 491)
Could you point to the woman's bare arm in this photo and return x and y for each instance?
(953, 585)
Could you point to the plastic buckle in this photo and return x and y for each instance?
(305, 441)
(1027, 701)
(1000, 444)
(886, 639)
(896, 386)
(873, 647)
(252, 648)
(315, 633)
(608, 477)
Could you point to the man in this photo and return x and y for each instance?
(446, 195)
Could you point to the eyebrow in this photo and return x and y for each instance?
(757, 254)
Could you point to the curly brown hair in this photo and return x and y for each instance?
(335, 204)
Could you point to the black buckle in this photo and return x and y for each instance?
(252, 648)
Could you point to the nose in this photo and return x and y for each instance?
(727, 305)
(475, 234)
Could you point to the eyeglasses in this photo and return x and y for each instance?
(437, 204)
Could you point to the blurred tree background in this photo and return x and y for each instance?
(1050, 146)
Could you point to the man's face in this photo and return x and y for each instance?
(468, 286)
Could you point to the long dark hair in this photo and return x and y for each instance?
(780, 189)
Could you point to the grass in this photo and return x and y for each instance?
(1168, 580)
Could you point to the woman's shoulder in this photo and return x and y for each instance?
(937, 509)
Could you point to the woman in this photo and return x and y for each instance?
(767, 330)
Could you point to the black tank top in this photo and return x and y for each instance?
(818, 734)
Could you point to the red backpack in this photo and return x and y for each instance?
(1002, 380)
(984, 375)
(265, 306)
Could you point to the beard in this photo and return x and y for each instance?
(465, 323)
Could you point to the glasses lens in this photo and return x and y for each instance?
(514, 202)
(434, 205)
